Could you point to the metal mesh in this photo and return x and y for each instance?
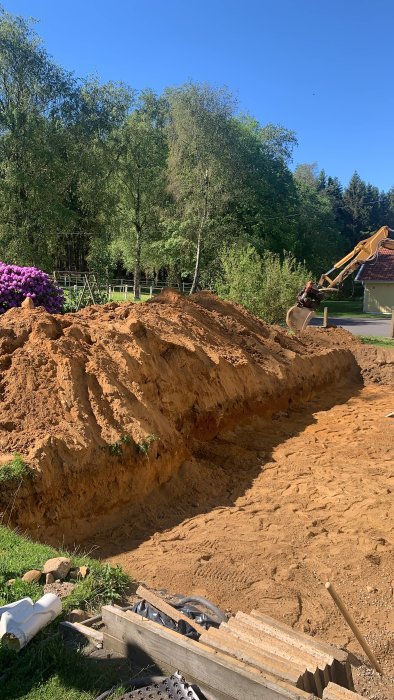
(172, 688)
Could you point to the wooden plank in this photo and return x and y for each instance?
(296, 637)
(318, 676)
(120, 648)
(153, 643)
(279, 646)
(341, 670)
(266, 662)
(321, 665)
(336, 692)
(93, 636)
(353, 626)
(167, 609)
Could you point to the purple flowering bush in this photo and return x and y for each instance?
(17, 283)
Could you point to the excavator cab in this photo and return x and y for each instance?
(299, 315)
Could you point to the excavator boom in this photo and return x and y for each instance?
(298, 317)
(362, 252)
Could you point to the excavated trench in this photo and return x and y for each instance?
(206, 451)
(262, 515)
(107, 405)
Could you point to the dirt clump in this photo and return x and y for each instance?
(104, 404)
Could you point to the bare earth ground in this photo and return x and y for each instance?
(264, 514)
(152, 426)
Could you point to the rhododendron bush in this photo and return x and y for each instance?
(18, 283)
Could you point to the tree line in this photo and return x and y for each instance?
(103, 177)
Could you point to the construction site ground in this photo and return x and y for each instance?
(264, 514)
(208, 452)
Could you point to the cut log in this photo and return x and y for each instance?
(137, 637)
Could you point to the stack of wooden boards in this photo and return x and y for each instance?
(273, 647)
(251, 657)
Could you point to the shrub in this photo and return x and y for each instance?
(266, 286)
(73, 301)
(241, 278)
(104, 585)
(18, 283)
(282, 280)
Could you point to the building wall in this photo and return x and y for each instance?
(378, 297)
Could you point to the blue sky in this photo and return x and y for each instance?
(323, 68)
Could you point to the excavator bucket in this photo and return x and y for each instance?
(298, 317)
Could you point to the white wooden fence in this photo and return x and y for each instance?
(116, 287)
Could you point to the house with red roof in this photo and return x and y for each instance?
(377, 278)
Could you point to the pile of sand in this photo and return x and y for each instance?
(104, 404)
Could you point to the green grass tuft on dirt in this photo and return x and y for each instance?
(14, 470)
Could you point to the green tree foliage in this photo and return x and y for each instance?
(54, 157)
(283, 278)
(139, 182)
(265, 207)
(241, 277)
(201, 169)
(97, 176)
(266, 285)
(318, 240)
(34, 93)
(356, 209)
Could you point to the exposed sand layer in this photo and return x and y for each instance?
(104, 404)
(267, 512)
(209, 452)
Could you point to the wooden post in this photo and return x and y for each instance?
(360, 638)
(151, 291)
(125, 291)
(325, 317)
(392, 324)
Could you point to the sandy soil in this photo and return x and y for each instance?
(264, 514)
(187, 426)
(104, 404)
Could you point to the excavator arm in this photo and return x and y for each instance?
(363, 251)
(298, 317)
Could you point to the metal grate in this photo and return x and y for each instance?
(172, 688)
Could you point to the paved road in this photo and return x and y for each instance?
(360, 326)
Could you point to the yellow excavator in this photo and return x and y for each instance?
(308, 301)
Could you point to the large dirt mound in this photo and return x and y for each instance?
(104, 404)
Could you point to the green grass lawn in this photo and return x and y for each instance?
(353, 308)
(119, 297)
(46, 668)
(377, 340)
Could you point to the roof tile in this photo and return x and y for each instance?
(381, 269)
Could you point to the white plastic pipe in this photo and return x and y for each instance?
(20, 621)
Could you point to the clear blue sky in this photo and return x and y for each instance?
(323, 68)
